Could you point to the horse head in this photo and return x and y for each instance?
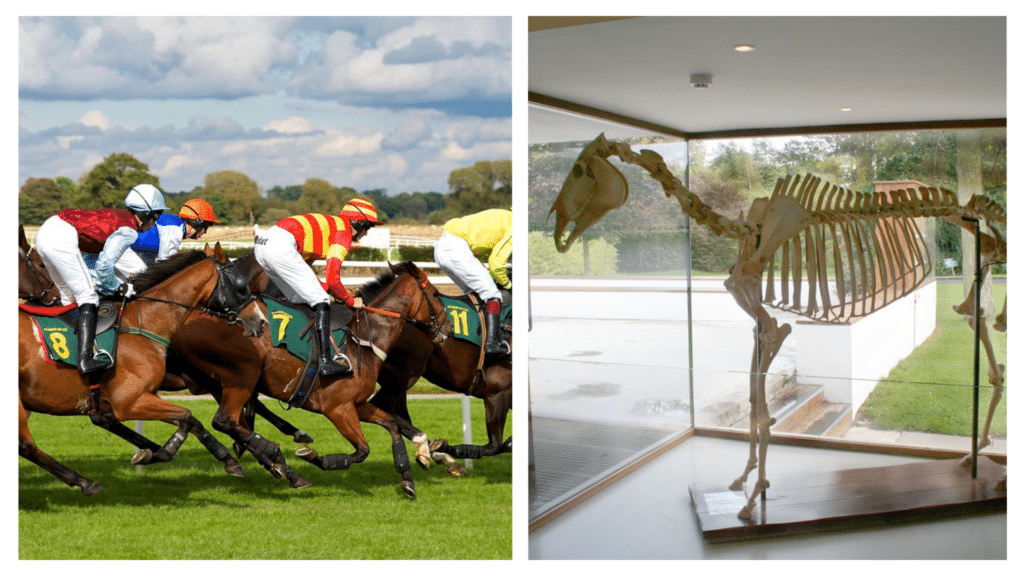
(34, 282)
(232, 294)
(592, 189)
(405, 286)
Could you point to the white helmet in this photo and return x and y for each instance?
(145, 198)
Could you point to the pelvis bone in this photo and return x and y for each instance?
(593, 188)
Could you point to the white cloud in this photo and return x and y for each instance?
(290, 125)
(96, 118)
(349, 145)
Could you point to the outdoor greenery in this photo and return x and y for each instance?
(190, 509)
(931, 390)
(238, 199)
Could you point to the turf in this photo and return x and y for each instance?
(932, 389)
(190, 509)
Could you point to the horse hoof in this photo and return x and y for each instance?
(408, 489)
(456, 469)
(144, 456)
(297, 481)
(234, 468)
(90, 488)
(737, 484)
(301, 437)
(306, 453)
(439, 445)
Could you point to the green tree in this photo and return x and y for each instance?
(40, 198)
(483, 185)
(106, 185)
(319, 197)
(234, 196)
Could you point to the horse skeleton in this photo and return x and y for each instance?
(869, 243)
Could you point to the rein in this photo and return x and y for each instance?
(40, 279)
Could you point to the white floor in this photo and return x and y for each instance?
(648, 516)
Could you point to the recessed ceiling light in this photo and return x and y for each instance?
(744, 48)
(845, 109)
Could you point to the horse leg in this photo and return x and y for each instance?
(995, 378)
(219, 451)
(28, 450)
(228, 420)
(346, 420)
(285, 427)
(374, 415)
(496, 409)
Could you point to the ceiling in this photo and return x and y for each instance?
(802, 71)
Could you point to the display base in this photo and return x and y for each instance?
(848, 499)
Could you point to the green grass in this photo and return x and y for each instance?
(932, 389)
(190, 509)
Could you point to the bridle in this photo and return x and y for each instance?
(230, 296)
(438, 319)
(39, 279)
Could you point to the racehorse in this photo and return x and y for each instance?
(168, 292)
(34, 282)
(398, 297)
(454, 364)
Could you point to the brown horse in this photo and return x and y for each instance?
(168, 292)
(453, 365)
(34, 283)
(234, 372)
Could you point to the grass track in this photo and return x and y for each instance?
(190, 509)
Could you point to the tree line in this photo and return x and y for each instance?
(237, 199)
(728, 175)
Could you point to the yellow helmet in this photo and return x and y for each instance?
(359, 209)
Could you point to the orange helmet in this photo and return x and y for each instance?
(359, 209)
(198, 209)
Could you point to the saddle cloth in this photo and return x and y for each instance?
(465, 318)
(57, 328)
(291, 325)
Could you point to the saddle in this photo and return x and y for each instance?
(57, 328)
(291, 328)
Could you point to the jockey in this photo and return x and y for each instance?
(283, 251)
(107, 232)
(484, 233)
(164, 239)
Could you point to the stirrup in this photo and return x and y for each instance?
(328, 367)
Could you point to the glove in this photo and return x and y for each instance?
(125, 290)
(355, 302)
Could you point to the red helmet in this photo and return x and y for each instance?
(359, 209)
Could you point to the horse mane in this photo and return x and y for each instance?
(374, 288)
(164, 269)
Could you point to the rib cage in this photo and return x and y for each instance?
(851, 258)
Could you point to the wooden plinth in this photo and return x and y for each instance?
(851, 499)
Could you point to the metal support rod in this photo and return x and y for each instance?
(977, 343)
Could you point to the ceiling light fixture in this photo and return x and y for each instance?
(845, 109)
(700, 81)
(744, 48)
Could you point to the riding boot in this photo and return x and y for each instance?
(87, 361)
(495, 344)
(322, 327)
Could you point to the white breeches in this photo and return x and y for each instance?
(455, 257)
(276, 251)
(57, 244)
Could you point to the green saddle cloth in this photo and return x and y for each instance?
(290, 328)
(465, 319)
(61, 339)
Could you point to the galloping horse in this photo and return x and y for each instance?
(452, 364)
(168, 292)
(233, 373)
(34, 283)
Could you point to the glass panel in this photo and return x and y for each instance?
(609, 347)
(901, 374)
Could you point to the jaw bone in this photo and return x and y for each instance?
(593, 188)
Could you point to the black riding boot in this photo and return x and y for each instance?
(87, 361)
(322, 326)
(495, 344)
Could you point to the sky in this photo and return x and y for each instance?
(366, 102)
